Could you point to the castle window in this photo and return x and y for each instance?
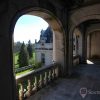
(43, 58)
(42, 44)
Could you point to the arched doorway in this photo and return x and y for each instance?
(82, 18)
(93, 42)
(11, 11)
(58, 36)
(58, 32)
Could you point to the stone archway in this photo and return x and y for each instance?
(95, 45)
(58, 32)
(78, 17)
(84, 14)
(95, 28)
(14, 10)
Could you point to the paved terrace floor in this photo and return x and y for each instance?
(87, 76)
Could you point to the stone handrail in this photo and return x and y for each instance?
(29, 83)
(23, 68)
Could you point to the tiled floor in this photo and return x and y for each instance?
(84, 76)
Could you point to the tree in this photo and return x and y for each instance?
(23, 58)
(29, 49)
(17, 46)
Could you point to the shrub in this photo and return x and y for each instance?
(38, 65)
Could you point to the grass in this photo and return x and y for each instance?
(31, 62)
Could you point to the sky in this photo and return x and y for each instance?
(28, 27)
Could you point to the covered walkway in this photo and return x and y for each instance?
(84, 76)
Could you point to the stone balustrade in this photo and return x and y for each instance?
(23, 68)
(30, 83)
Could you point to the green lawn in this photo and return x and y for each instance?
(31, 61)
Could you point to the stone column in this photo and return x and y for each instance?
(58, 48)
(54, 46)
(7, 83)
(89, 46)
(80, 45)
(70, 53)
(7, 79)
(84, 48)
(88, 38)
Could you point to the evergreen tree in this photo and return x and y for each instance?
(17, 46)
(29, 49)
(23, 57)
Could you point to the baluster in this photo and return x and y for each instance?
(17, 92)
(21, 92)
(46, 78)
(50, 76)
(57, 71)
(33, 81)
(41, 81)
(29, 87)
(36, 83)
(49, 79)
(54, 74)
(33, 86)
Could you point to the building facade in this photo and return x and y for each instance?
(44, 47)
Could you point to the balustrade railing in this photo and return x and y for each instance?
(23, 68)
(30, 83)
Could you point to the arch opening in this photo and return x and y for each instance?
(58, 35)
(89, 43)
(87, 19)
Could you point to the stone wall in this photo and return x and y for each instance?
(48, 56)
(95, 44)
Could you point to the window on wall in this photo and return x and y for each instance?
(43, 58)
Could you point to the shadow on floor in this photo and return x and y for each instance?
(84, 76)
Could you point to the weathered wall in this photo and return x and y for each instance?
(78, 50)
(10, 11)
(93, 40)
(48, 56)
(88, 46)
(95, 44)
(58, 48)
(77, 18)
